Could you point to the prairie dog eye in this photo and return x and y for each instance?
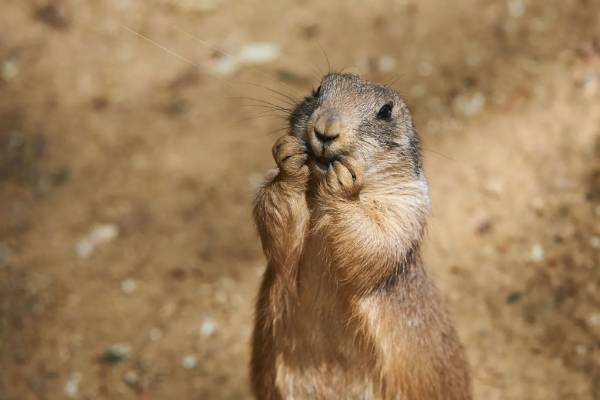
(385, 112)
(316, 92)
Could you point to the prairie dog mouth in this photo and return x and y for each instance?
(322, 162)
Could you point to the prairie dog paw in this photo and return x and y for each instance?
(344, 177)
(290, 154)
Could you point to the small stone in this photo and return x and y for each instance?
(10, 70)
(386, 63)
(580, 350)
(536, 253)
(128, 286)
(100, 234)
(53, 14)
(122, 4)
(493, 187)
(258, 53)
(469, 104)
(132, 378)
(225, 66)
(208, 327)
(595, 242)
(198, 5)
(589, 84)
(594, 320)
(155, 334)
(84, 248)
(104, 233)
(72, 385)
(484, 227)
(514, 297)
(516, 8)
(115, 354)
(311, 31)
(189, 362)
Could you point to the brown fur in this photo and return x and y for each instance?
(346, 309)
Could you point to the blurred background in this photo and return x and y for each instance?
(133, 134)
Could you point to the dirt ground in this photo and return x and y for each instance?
(131, 144)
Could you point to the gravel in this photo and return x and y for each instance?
(536, 254)
(189, 362)
(128, 286)
(469, 104)
(72, 385)
(100, 234)
(10, 70)
(208, 327)
(116, 353)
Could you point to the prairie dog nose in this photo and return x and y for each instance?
(328, 127)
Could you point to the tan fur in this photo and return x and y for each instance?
(335, 319)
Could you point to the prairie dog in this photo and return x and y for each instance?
(346, 309)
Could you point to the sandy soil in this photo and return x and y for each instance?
(127, 171)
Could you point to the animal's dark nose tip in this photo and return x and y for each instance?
(328, 127)
(325, 136)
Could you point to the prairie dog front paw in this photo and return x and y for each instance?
(344, 177)
(290, 154)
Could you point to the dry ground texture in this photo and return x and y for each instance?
(127, 172)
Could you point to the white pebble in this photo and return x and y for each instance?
(131, 377)
(198, 5)
(189, 362)
(493, 187)
(10, 70)
(469, 104)
(590, 84)
(595, 241)
(516, 8)
(536, 253)
(128, 286)
(208, 327)
(120, 350)
(594, 320)
(84, 248)
(225, 66)
(121, 4)
(72, 385)
(104, 233)
(100, 234)
(258, 53)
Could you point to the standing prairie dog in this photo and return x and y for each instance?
(346, 309)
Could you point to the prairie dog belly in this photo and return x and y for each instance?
(322, 356)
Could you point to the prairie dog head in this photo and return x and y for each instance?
(349, 116)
